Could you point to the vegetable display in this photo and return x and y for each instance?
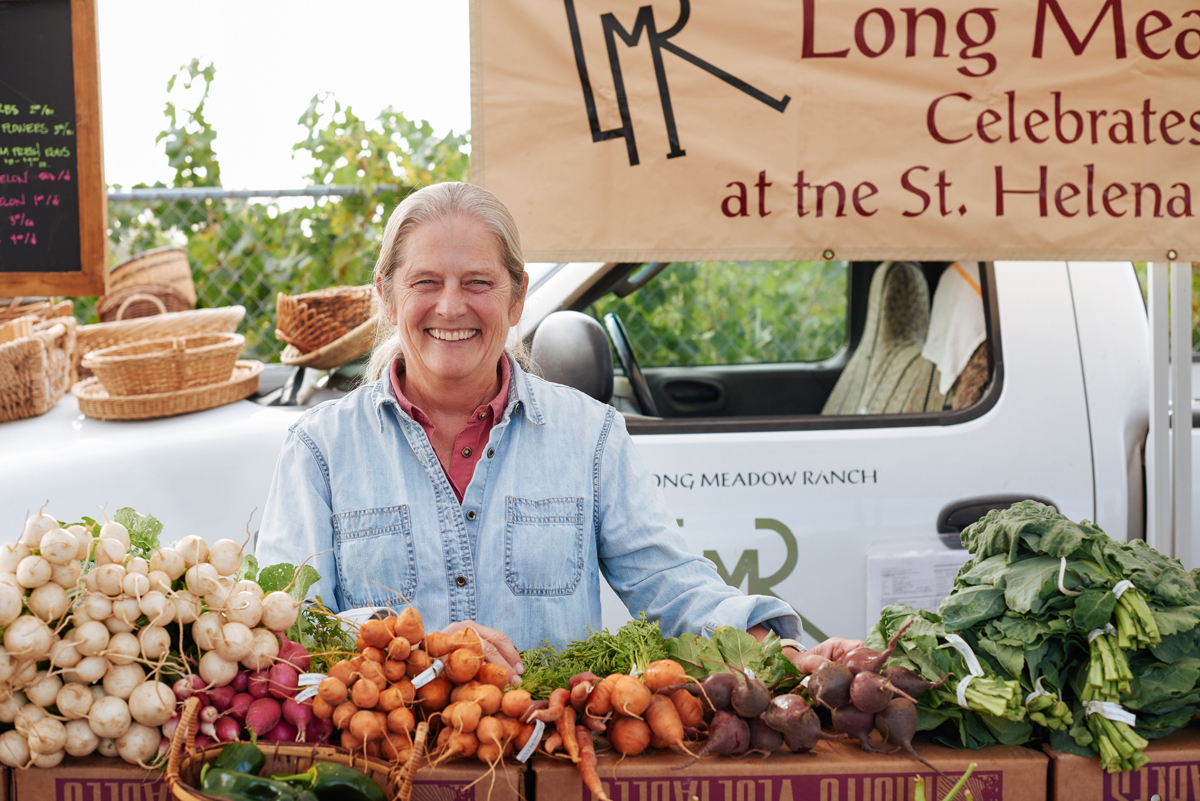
(1056, 632)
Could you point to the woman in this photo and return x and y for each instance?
(477, 491)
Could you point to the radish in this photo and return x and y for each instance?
(245, 608)
(201, 579)
(33, 571)
(81, 740)
(227, 730)
(109, 579)
(217, 671)
(11, 603)
(66, 576)
(83, 541)
(168, 728)
(898, 723)
(58, 547)
(239, 706)
(221, 698)
(187, 686)
(283, 732)
(26, 717)
(157, 608)
(299, 715)
(246, 585)
(91, 638)
(49, 602)
(168, 560)
(232, 642)
(283, 680)
(43, 690)
(193, 549)
(205, 630)
(11, 705)
(112, 530)
(241, 681)
(258, 685)
(871, 692)
(27, 637)
(63, 654)
(35, 527)
(126, 611)
(225, 556)
(109, 717)
(138, 744)
(14, 749)
(155, 642)
(110, 552)
(138, 565)
(263, 715)
(46, 761)
(159, 582)
(135, 584)
(122, 680)
(279, 611)
(866, 659)
(187, 607)
(263, 650)
(89, 669)
(74, 701)
(47, 736)
(294, 653)
(152, 703)
(11, 554)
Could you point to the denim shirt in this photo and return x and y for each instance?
(560, 497)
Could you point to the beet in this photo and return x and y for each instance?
(784, 711)
(728, 735)
(852, 721)
(750, 697)
(717, 690)
(898, 723)
(763, 739)
(910, 683)
(867, 659)
(806, 733)
(870, 692)
(829, 685)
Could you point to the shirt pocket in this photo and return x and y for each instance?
(376, 560)
(543, 545)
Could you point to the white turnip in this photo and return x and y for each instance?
(90, 584)
(74, 701)
(14, 749)
(187, 607)
(112, 530)
(201, 579)
(46, 761)
(127, 611)
(11, 579)
(66, 576)
(35, 527)
(115, 626)
(83, 541)
(28, 637)
(58, 546)
(11, 603)
(159, 582)
(121, 680)
(107, 747)
(64, 654)
(24, 671)
(26, 717)
(193, 549)
(279, 611)
(8, 665)
(91, 638)
(135, 584)
(152, 703)
(109, 717)
(263, 650)
(217, 671)
(245, 608)
(110, 579)
(109, 552)
(158, 609)
(136, 564)
(33, 571)
(11, 554)
(139, 744)
(47, 736)
(205, 629)
(48, 602)
(225, 556)
(81, 740)
(219, 597)
(168, 561)
(232, 642)
(11, 705)
(155, 642)
(246, 585)
(89, 669)
(123, 649)
(43, 690)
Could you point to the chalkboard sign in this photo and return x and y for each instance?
(53, 214)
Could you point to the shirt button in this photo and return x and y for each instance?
(491, 452)
(466, 452)
(471, 514)
(461, 581)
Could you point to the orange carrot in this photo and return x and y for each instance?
(399, 649)
(434, 696)
(418, 662)
(409, 625)
(364, 694)
(566, 728)
(332, 690)
(630, 697)
(558, 702)
(663, 720)
(490, 731)
(322, 709)
(489, 753)
(401, 721)
(342, 714)
(376, 633)
(495, 674)
(691, 712)
(407, 691)
(462, 665)
(630, 736)
(515, 702)
(587, 763)
(553, 743)
(394, 671)
(600, 701)
(663, 673)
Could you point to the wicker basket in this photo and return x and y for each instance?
(185, 760)
(95, 402)
(341, 351)
(311, 321)
(15, 329)
(142, 300)
(41, 308)
(162, 266)
(35, 370)
(160, 326)
(154, 366)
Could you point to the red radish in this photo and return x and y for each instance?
(283, 680)
(241, 682)
(283, 732)
(869, 660)
(203, 741)
(240, 706)
(209, 714)
(228, 730)
(258, 685)
(294, 653)
(221, 697)
(263, 715)
(829, 685)
(299, 715)
(871, 692)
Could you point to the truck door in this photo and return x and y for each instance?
(840, 514)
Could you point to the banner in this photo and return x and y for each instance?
(660, 130)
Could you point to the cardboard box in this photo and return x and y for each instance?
(1172, 774)
(833, 771)
(469, 780)
(92, 778)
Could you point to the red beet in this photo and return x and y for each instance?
(829, 685)
(871, 692)
(763, 739)
(750, 697)
(898, 723)
(850, 720)
(728, 735)
(910, 683)
(867, 659)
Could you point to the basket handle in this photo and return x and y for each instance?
(408, 773)
(184, 738)
(162, 308)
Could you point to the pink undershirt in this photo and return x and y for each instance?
(472, 440)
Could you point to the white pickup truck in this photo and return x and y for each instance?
(837, 513)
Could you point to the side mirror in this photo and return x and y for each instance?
(571, 348)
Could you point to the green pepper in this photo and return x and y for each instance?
(235, 786)
(242, 758)
(332, 782)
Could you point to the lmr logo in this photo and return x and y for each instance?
(659, 41)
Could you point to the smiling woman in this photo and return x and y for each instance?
(461, 483)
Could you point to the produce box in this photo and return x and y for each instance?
(90, 778)
(468, 780)
(1172, 774)
(833, 771)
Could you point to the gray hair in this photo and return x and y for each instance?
(430, 204)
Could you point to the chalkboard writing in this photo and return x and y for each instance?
(53, 220)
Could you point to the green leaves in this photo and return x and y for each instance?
(1093, 609)
(143, 531)
(249, 568)
(700, 657)
(278, 577)
(973, 605)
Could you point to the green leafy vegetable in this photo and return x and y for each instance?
(639, 642)
(143, 531)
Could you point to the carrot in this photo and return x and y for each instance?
(495, 674)
(407, 691)
(459, 692)
(587, 763)
(462, 665)
(566, 728)
(663, 673)
(462, 716)
(332, 690)
(486, 695)
(597, 725)
(489, 753)
(490, 731)
(515, 702)
(434, 696)
(409, 625)
(600, 701)
(690, 710)
(454, 744)
(394, 671)
(389, 699)
(630, 697)
(364, 694)
(663, 720)
(375, 633)
(630, 736)
(418, 662)
(523, 736)
(321, 708)
(553, 743)
(396, 748)
(511, 727)
(365, 726)
(437, 644)
(343, 672)
(558, 702)
(579, 696)
(399, 649)
(372, 671)
(342, 714)
(372, 748)
(350, 742)
(374, 654)
(401, 721)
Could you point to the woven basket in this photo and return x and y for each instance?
(161, 326)
(35, 370)
(142, 300)
(341, 351)
(15, 329)
(154, 366)
(162, 266)
(41, 308)
(311, 321)
(95, 402)
(185, 760)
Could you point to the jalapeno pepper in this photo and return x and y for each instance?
(241, 757)
(235, 786)
(332, 782)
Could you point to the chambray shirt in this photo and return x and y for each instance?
(559, 498)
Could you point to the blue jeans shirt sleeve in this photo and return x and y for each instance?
(646, 560)
(297, 519)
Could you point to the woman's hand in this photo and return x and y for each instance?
(832, 650)
(496, 648)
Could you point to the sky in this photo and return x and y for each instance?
(271, 58)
